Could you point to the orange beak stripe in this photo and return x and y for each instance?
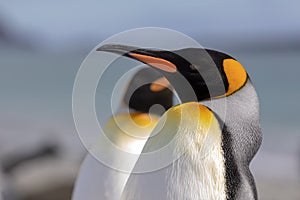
(158, 63)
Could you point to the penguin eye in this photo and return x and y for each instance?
(159, 84)
(158, 63)
(236, 75)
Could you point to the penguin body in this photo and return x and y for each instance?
(128, 131)
(210, 169)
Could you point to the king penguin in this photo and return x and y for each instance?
(145, 99)
(216, 146)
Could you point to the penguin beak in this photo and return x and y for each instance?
(116, 48)
(154, 58)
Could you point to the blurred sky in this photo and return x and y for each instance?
(57, 23)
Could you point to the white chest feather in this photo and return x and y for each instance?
(199, 173)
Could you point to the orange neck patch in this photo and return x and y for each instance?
(158, 63)
(236, 75)
(159, 85)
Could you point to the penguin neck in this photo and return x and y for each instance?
(240, 113)
(241, 138)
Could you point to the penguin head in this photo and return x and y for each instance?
(146, 90)
(211, 74)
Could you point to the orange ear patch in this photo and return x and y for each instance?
(159, 85)
(236, 75)
(158, 63)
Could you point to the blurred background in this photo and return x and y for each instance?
(42, 44)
